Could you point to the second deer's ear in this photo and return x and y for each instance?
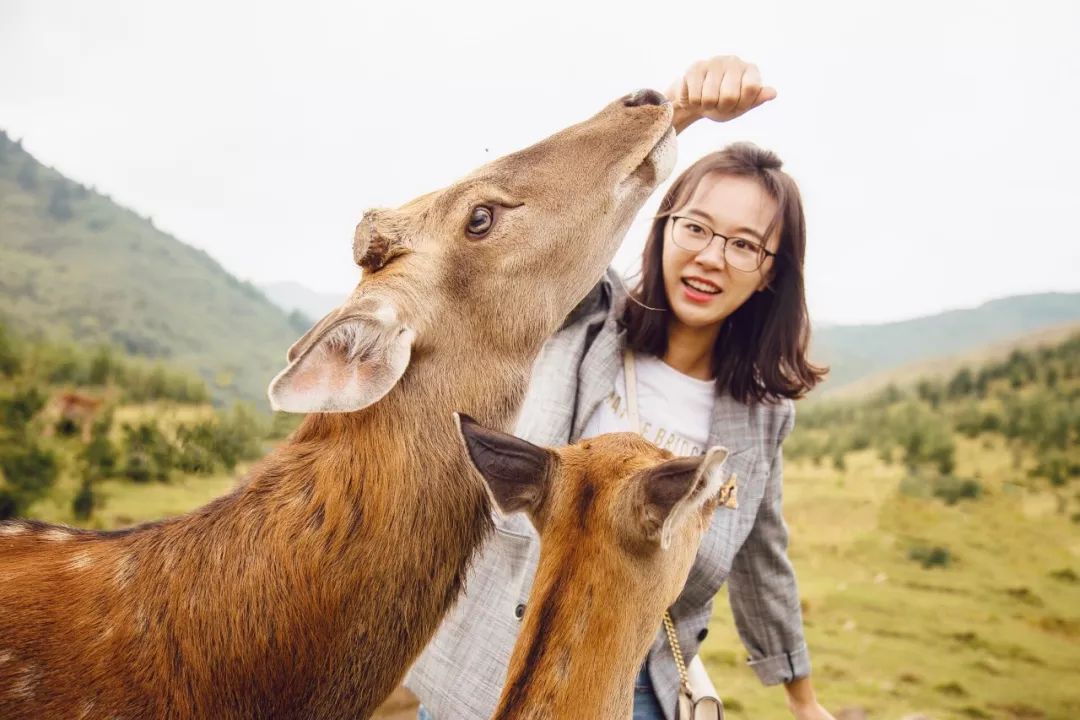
(515, 471)
(671, 491)
(349, 360)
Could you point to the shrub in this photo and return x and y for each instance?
(18, 410)
(952, 490)
(59, 207)
(27, 176)
(149, 456)
(103, 366)
(931, 557)
(82, 506)
(99, 455)
(10, 363)
(28, 471)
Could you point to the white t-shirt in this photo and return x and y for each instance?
(675, 409)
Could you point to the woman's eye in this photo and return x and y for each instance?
(695, 229)
(480, 221)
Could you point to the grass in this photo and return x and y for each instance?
(994, 634)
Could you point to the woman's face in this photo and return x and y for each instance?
(701, 287)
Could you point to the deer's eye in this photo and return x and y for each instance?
(481, 221)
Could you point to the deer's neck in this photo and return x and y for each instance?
(364, 525)
(583, 640)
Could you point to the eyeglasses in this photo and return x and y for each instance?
(693, 235)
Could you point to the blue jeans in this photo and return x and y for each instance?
(646, 706)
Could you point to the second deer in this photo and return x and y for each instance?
(620, 522)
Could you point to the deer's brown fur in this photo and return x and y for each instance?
(604, 508)
(308, 591)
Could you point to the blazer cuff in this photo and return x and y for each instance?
(782, 668)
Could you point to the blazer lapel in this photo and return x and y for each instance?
(731, 425)
(596, 375)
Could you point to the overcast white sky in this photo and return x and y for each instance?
(935, 142)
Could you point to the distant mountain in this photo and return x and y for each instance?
(294, 297)
(945, 366)
(74, 265)
(855, 352)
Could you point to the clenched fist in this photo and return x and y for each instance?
(720, 88)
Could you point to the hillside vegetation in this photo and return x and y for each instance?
(93, 438)
(936, 534)
(76, 266)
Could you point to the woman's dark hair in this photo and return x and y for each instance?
(760, 354)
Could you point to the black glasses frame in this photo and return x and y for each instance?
(766, 253)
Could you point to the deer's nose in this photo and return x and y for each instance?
(644, 97)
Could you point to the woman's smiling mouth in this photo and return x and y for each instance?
(699, 290)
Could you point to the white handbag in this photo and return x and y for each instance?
(702, 705)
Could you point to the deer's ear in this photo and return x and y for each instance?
(349, 360)
(515, 471)
(670, 492)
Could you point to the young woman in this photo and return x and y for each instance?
(716, 334)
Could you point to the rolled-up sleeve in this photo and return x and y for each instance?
(762, 587)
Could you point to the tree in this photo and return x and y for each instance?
(82, 506)
(149, 456)
(17, 410)
(29, 470)
(99, 455)
(102, 366)
(962, 383)
(10, 363)
(59, 207)
(27, 176)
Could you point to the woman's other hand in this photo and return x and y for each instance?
(812, 711)
(720, 88)
(802, 701)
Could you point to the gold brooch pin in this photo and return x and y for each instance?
(729, 493)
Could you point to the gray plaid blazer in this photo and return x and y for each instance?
(460, 674)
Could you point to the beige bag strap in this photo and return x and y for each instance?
(705, 707)
(630, 371)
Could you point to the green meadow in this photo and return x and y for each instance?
(939, 576)
(935, 527)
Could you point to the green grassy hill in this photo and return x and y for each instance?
(936, 534)
(76, 266)
(855, 352)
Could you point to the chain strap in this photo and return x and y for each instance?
(676, 651)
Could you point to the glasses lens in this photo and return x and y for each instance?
(744, 255)
(690, 235)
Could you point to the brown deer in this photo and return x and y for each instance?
(308, 591)
(620, 522)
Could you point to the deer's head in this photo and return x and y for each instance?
(616, 497)
(487, 266)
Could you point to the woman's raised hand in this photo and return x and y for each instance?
(720, 88)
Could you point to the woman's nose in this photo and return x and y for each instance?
(712, 255)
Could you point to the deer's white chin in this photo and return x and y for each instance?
(653, 169)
